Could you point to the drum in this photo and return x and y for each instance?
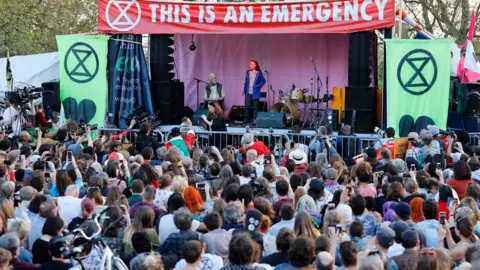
(296, 95)
(277, 107)
(291, 109)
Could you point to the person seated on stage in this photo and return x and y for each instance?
(214, 91)
(215, 120)
(249, 143)
(184, 143)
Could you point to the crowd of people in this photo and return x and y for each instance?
(177, 206)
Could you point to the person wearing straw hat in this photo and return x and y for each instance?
(300, 159)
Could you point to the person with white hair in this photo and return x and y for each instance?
(249, 143)
(214, 91)
(70, 205)
(324, 261)
(22, 228)
(11, 242)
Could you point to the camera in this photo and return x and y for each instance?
(379, 131)
(83, 128)
(140, 116)
(446, 133)
(22, 96)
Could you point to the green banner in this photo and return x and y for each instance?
(418, 84)
(83, 77)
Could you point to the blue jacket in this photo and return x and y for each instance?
(257, 86)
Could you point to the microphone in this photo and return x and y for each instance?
(311, 59)
(265, 71)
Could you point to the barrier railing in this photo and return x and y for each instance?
(278, 143)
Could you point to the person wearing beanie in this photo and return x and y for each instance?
(435, 132)
(397, 249)
(88, 209)
(331, 184)
(384, 239)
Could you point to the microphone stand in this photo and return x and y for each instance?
(198, 81)
(318, 85)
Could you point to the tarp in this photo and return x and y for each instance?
(83, 77)
(418, 83)
(129, 86)
(330, 16)
(30, 69)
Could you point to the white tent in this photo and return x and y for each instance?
(30, 69)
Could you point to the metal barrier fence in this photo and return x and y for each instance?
(345, 146)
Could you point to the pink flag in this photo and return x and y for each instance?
(470, 64)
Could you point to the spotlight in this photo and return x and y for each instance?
(192, 47)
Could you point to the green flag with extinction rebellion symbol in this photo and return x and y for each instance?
(83, 77)
(418, 83)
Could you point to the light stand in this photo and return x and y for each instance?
(198, 97)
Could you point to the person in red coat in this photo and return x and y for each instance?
(249, 143)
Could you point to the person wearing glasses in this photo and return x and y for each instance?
(214, 92)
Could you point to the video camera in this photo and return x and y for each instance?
(83, 128)
(446, 133)
(22, 96)
(140, 116)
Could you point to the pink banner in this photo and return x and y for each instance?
(285, 57)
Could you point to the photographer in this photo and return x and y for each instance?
(388, 135)
(322, 142)
(144, 138)
(12, 116)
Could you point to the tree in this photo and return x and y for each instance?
(30, 26)
(444, 18)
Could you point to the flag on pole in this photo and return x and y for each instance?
(9, 73)
(470, 56)
(418, 84)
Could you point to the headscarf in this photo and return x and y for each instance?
(417, 209)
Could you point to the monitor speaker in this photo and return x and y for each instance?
(168, 101)
(51, 96)
(271, 120)
(468, 98)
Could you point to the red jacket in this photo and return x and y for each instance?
(257, 146)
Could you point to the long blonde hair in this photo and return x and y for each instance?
(144, 217)
(304, 226)
(472, 204)
(6, 211)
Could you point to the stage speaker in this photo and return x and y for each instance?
(168, 101)
(360, 52)
(236, 113)
(361, 98)
(468, 98)
(271, 120)
(162, 63)
(51, 96)
(197, 116)
(361, 121)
